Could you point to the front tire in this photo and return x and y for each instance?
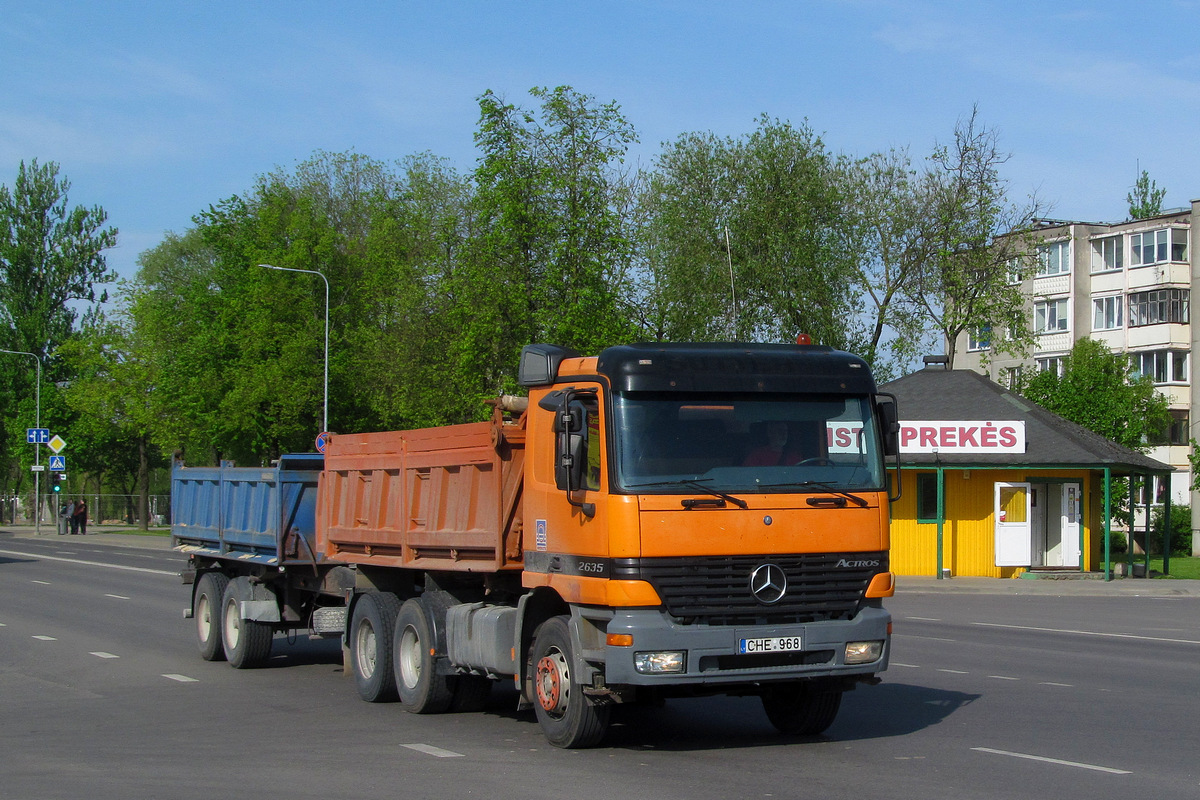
(421, 689)
(799, 709)
(568, 718)
(206, 610)
(247, 643)
(371, 632)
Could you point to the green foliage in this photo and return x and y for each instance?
(1181, 530)
(1097, 391)
(1145, 198)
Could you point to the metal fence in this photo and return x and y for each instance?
(103, 509)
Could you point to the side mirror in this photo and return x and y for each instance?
(889, 423)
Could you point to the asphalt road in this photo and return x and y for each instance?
(1001, 692)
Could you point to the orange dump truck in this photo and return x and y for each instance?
(658, 521)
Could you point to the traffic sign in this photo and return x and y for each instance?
(38, 468)
(322, 441)
(57, 443)
(58, 463)
(37, 435)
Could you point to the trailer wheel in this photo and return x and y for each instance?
(247, 643)
(206, 610)
(371, 632)
(799, 709)
(422, 690)
(568, 718)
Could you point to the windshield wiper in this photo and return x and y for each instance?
(829, 487)
(698, 485)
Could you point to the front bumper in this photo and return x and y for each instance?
(712, 651)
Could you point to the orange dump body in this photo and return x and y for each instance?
(445, 498)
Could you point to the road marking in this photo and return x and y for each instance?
(430, 750)
(45, 638)
(898, 664)
(1004, 677)
(954, 671)
(1087, 633)
(1063, 685)
(1059, 761)
(180, 678)
(926, 638)
(36, 556)
(924, 619)
(102, 654)
(117, 596)
(43, 583)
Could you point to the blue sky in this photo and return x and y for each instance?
(155, 110)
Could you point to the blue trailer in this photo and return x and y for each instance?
(250, 537)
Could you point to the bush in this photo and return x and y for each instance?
(1181, 530)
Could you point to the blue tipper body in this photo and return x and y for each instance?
(262, 515)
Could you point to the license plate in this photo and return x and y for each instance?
(771, 644)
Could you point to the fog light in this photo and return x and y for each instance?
(863, 652)
(659, 663)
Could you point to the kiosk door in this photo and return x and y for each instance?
(1014, 531)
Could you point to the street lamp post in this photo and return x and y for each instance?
(325, 417)
(37, 452)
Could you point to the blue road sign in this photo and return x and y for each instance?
(37, 435)
(58, 463)
(322, 441)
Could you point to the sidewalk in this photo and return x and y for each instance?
(156, 539)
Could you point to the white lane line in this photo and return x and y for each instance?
(1086, 633)
(117, 596)
(37, 556)
(181, 678)
(1059, 761)
(925, 638)
(430, 750)
(906, 666)
(1004, 677)
(45, 638)
(1062, 685)
(102, 654)
(954, 671)
(924, 619)
(42, 583)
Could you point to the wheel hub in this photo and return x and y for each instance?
(552, 682)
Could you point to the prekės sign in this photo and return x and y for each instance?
(938, 436)
(953, 436)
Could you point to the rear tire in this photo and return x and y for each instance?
(371, 632)
(421, 689)
(798, 709)
(568, 717)
(206, 610)
(247, 643)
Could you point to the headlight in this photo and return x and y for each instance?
(863, 652)
(658, 663)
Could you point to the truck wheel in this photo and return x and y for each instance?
(247, 643)
(371, 633)
(422, 690)
(798, 709)
(206, 610)
(568, 718)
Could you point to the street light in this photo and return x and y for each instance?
(37, 452)
(325, 418)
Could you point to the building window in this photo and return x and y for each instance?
(1051, 364)
(1054, 259)
(1010, 378)
(1107, 254)
(1156, 247)
(1174, 432)
(1106, 312)
(1050, 316)
(979, 338)
(1179, 238)
(1161, 366)
(927, 506)
(1158, 306)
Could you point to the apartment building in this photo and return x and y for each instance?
(1129, 285)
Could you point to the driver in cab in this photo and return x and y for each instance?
(778, 450)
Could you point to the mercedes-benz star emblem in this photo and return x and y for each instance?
(768, 583)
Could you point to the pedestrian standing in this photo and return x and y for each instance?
(79, 518)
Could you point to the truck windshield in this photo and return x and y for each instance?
(746, 443)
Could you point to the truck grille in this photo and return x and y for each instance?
(715, 590)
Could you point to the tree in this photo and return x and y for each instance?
(980, 244)
(1145, 198)
(1096, 390)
